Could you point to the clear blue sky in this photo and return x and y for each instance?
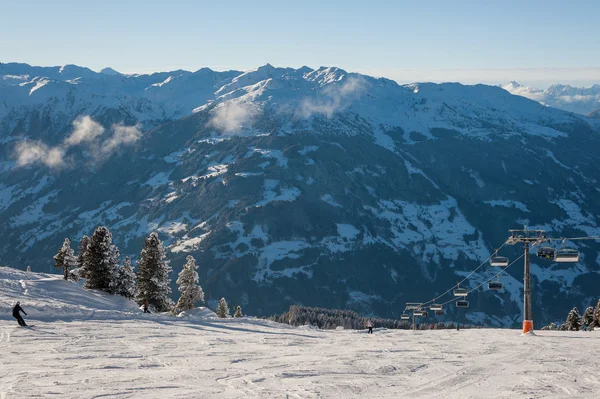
(405, 40)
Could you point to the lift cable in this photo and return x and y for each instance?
(466, 278)
(563, 239)
(487, 281)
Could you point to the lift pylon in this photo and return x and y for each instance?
(527, 237)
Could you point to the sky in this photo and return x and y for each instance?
(534, 42)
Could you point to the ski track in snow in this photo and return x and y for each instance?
(252, 358)
(89, 344)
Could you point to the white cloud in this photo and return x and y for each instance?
(86, 133)
(85, 129)
(122, 135)
(231, 117)
(333, 98)
(578, 98)
(33, 152)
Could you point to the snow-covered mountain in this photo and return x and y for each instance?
(318, 187)
(582, 100)
(595, 114)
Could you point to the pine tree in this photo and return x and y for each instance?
(223, 309)
(85, 240)
(100, 261)
(65, 259)
(191, 292)
(153, 275)
(238, 312)
(588, 317)
(573, 320)
(126, 280)
(596, 318)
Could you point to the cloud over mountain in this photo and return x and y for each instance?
(86, 133)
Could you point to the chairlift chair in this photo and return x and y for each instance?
(461, 292)
(435, 307)
(462, 304)
(545, 252)
(417, 313)
(495, 285)
(405, 317)
(499, 261)
(566, 255)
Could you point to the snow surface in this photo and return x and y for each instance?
(508, 204)
(87, 344)
(159, 179)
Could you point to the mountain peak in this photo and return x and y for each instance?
(110, 71)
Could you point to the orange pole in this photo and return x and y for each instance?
(527, 326)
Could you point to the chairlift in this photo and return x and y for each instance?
(417, 313)
(461, 292)
(495, 285)
(405, 317)
(545, 252)
(499, 261)
(435, 307)
(566, 255)
(462, 304)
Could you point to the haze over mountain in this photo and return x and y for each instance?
(582, 100)
(319, 187)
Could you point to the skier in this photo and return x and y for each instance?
(370, 326)
(457, 325)
(146, 306)
(17, 315)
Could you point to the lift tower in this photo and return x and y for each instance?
(533, 238)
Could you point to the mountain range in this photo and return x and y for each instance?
(304, 186)
(583, 100)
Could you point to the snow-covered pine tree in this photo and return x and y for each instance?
(238, 312)
(126, 280)
(223, 309)
(191, 292)
(85, 240)
(573, 320)
(596, 319)
(65, 258)
(100, 261)
(588, 316)
(153, 275)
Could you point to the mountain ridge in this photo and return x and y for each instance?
(317, 187)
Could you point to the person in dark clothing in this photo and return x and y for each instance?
(370, 326)
(146, 306)
(17, 315)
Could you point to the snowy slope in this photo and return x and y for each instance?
(136, 355)
(49, 297)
